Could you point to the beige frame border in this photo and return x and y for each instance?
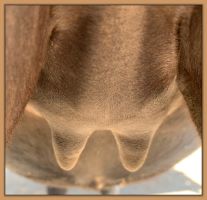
(203, 2)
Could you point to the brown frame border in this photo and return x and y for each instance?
(2, 144)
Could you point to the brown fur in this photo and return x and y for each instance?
(190, 63)
(26, 42)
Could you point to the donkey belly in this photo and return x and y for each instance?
(31, 153)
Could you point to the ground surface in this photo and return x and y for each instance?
(185, 178)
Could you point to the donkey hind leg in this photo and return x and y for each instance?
(110, 191)
(56, 191)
